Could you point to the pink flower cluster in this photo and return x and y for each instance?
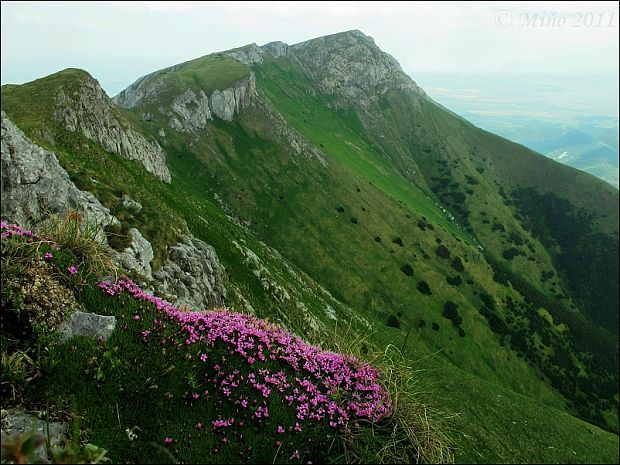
(325, 385)
(9, 230)
(220, 424)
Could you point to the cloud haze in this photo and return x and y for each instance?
(119, 41)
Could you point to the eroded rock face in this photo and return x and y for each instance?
(247, 55)
(140, 90)
(349, 64)
(252, 54)
(226, 103)
(276, 49)
(34, 185)
(192, 109)
(88, 109)
(137, 257)
(193, 274)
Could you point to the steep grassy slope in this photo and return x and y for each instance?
(461, 167)
(362, 214)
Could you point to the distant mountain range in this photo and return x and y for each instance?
(590, 144)
(549, 114)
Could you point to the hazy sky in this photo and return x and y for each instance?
(117, 42)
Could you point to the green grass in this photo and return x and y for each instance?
(505, 427)
(290, 202)
(210, 73)
(340, 134)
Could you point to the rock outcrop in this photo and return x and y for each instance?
(349, 64)
(143, 88)
(252, 54)
(276, 49)
(87, 109)
(137, 257)
(87, 325)
(247, 55)
(18, 422)
(226, 103)
(193, 274)
(34, 185)
(191, 109)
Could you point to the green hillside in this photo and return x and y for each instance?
(491, 268)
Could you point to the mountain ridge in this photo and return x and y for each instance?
(378, 209)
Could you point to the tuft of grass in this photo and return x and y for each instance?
(416, 431)
(83, 240)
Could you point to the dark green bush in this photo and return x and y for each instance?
(407, 269)
(393, 321)
(424, 288)
(442, 251)
(457, 264)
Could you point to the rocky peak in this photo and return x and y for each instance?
(252, 54)
(247, 55)
(82, 105)
(351, 65)
(276, 49)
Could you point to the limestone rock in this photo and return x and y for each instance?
(87, 324)
(192, 110)
(247, 55)
(87, 109)
(34, 184)
(276, 49)
(193, 274)
(137, 257)
(128, 202)
(226, 103)
(349, 64)
(142, 89)
(18, 422)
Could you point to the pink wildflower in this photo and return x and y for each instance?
(168, 440)
(72, 269)
(47, 256)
